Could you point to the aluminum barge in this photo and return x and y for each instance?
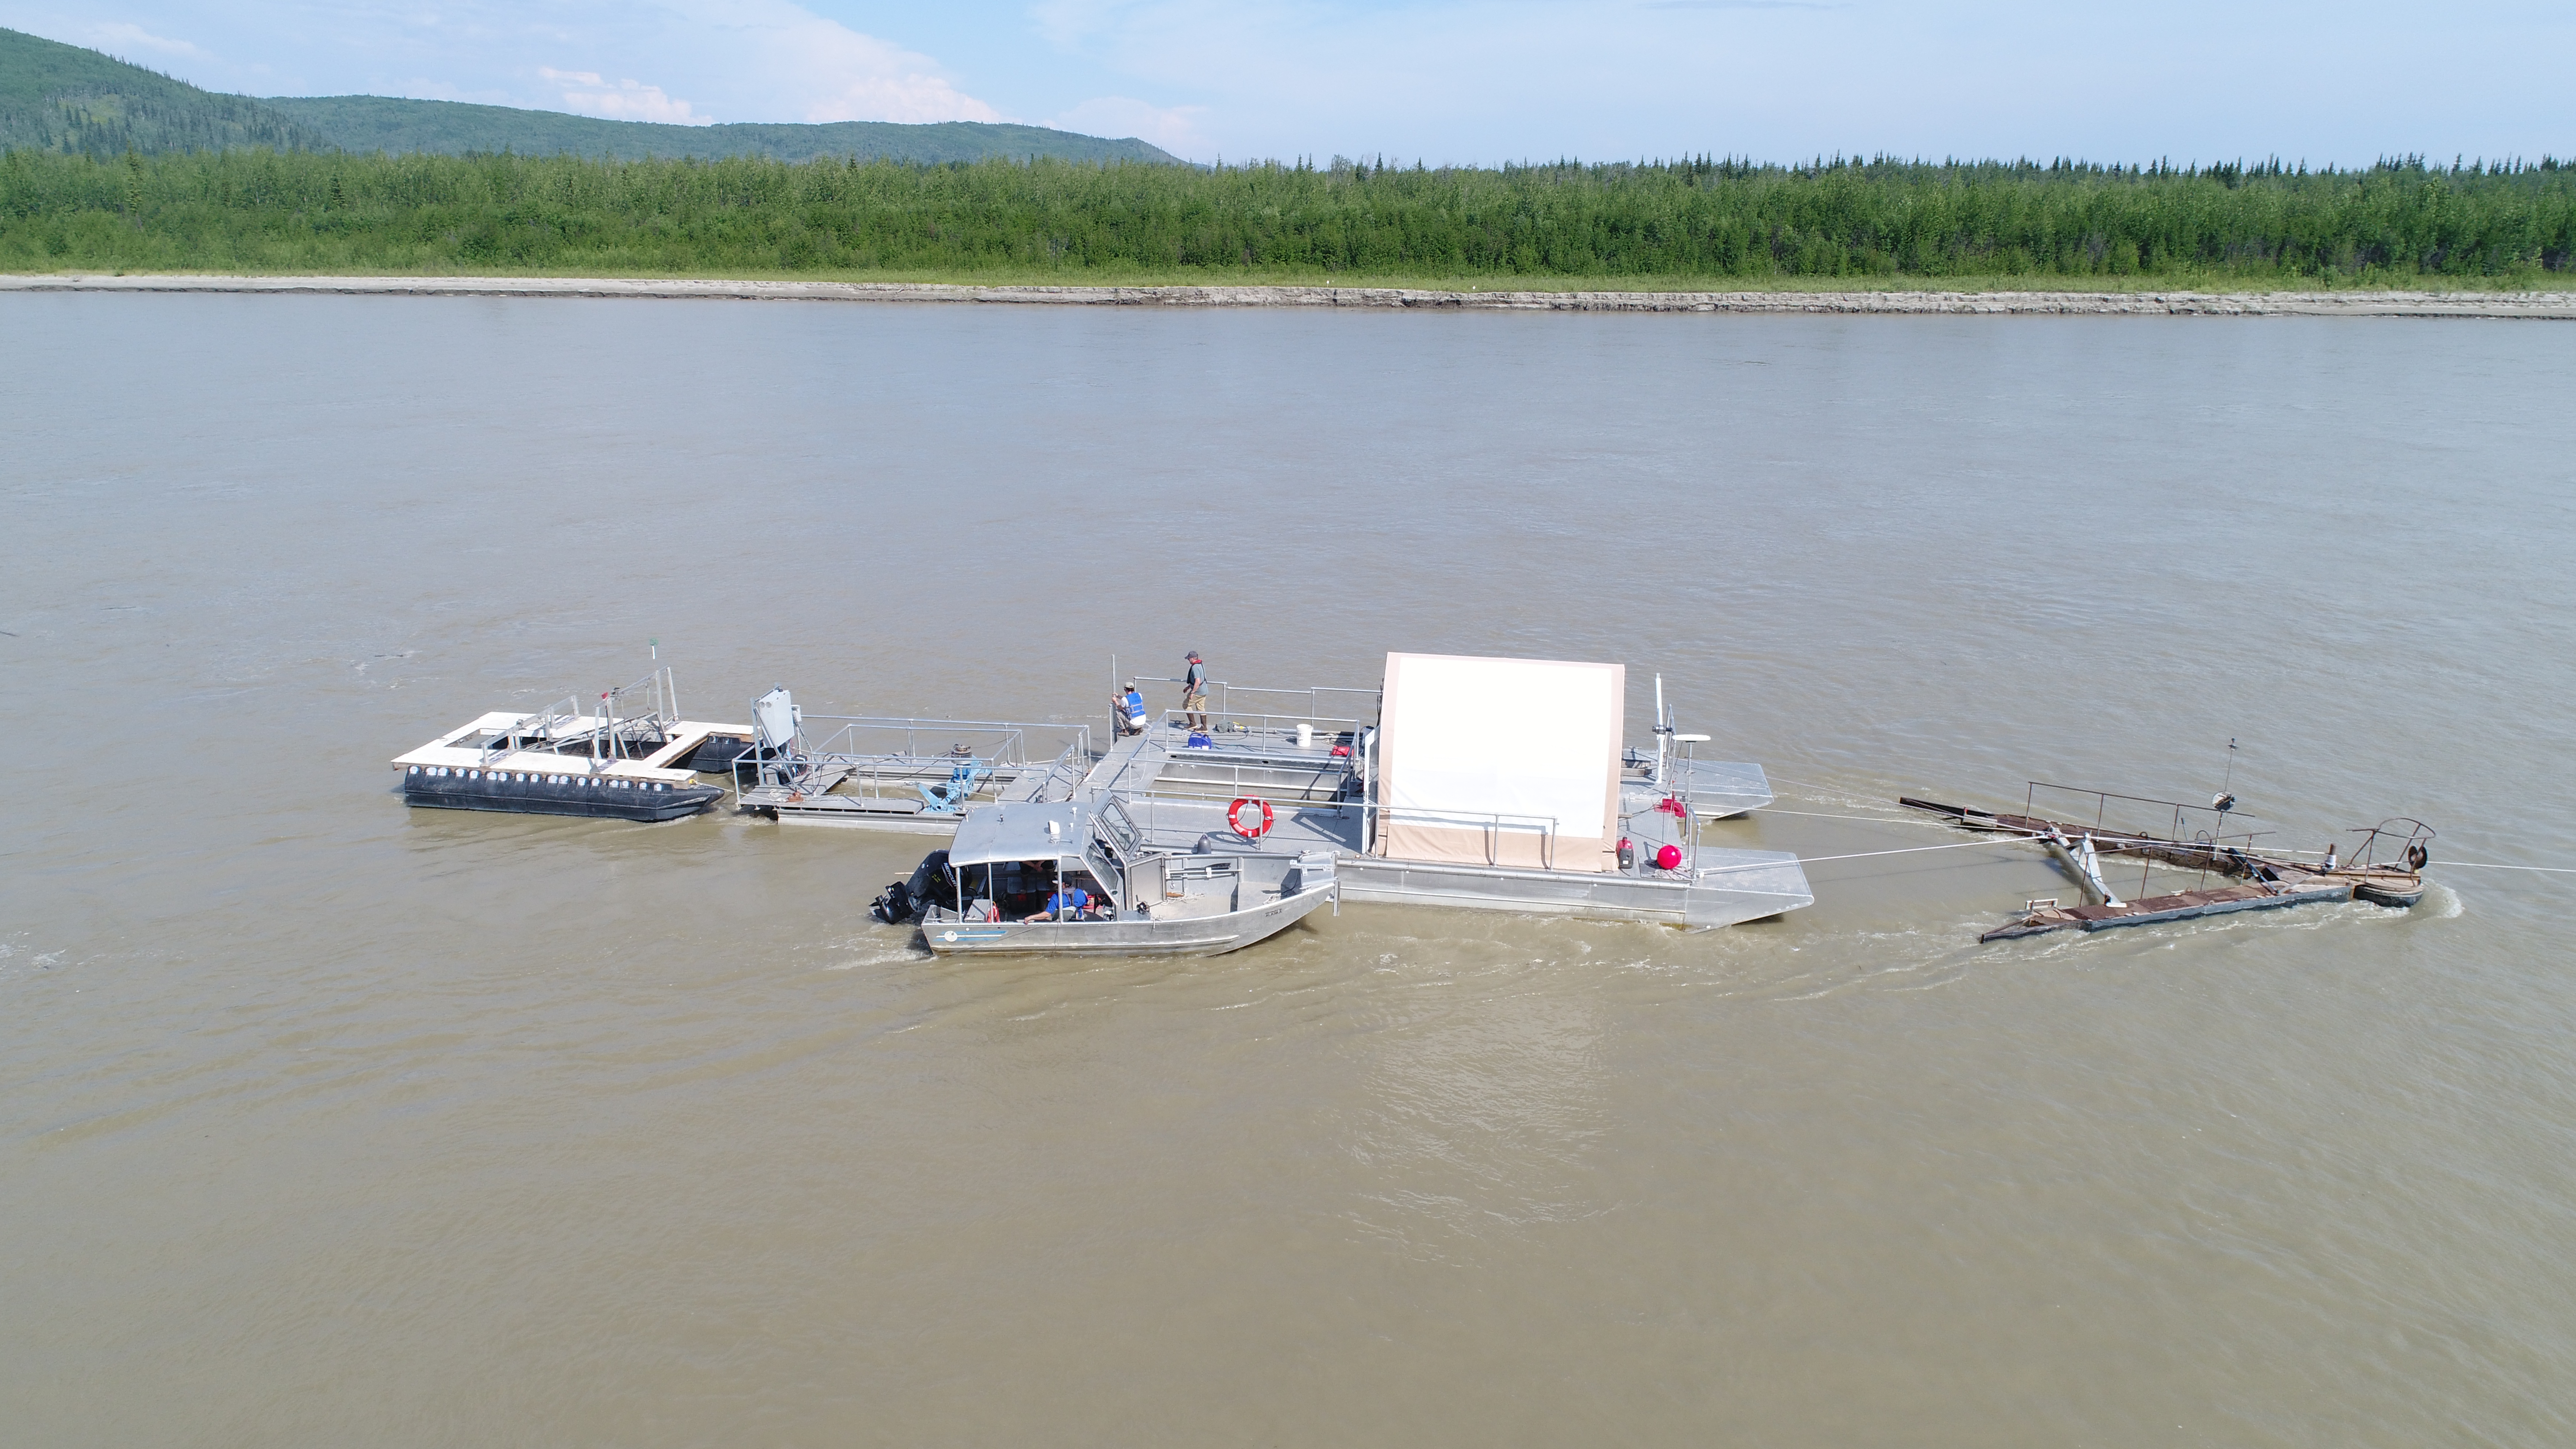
(1468, 783)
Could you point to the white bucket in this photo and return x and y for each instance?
(1305, 735)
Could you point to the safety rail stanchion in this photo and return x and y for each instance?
(1492, 825)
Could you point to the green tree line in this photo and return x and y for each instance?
(261, 210)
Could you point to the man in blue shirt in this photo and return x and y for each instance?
(1067, 904)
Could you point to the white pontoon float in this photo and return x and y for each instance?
(563, 761)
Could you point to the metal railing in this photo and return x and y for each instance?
(1247, 726)
(1110, 785)
(1274, 702)
(1066, 771)
(2410, 840)
(1315, 779)
(1134, 822)
(2214, 840)
(662, 685)
(607, 735)
(1003, 742)
(542, 726)
(2182, 814)
(1321, 767)
(876, 751)
(1493, 826)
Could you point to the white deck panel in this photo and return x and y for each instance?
(685, 738)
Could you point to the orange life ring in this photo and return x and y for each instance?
(1234, 817)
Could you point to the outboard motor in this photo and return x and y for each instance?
(907, 899)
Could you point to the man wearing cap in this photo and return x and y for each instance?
(1194, 694)
(1068, 903)
(1127, 707)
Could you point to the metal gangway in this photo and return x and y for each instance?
(904, 773)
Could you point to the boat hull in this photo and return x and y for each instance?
(528, 793)
(2399, 897)
(1188, 936)
(2157, 910)
(716, 756)
(1732, 887)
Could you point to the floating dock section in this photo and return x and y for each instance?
(564, 761)
(2252, 880)
(910, 775)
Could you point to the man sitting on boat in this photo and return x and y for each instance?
(1070, 903)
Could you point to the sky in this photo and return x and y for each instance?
(1445, 81)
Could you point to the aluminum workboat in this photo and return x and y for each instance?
(1058, 879)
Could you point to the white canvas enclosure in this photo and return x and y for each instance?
(1501, 761)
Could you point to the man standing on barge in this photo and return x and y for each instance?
(1194, 694)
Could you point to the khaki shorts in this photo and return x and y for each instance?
(1195, 704)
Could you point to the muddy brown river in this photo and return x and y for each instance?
(327, 1122)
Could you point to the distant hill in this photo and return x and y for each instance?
(380, 123)
(56, 97)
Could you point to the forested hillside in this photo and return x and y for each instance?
(56, 97)
(61, 98)
(454, 128)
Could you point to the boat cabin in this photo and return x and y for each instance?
(1008, 860)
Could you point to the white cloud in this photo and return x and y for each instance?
(829, 72)
(899, 98)
(1174, 128)
(628, 100)
(122, 37)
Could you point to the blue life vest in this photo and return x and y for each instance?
(1073, 901)
(1135, 707)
